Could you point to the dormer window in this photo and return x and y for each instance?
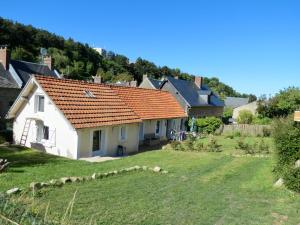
(89, 94)
(39, 103)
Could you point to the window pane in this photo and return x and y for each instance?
(96, 140)
(41, 103)
(46, 133)
(157, 127)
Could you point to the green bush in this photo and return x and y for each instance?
(212, 145)
(245, 117)
(262, 120)
(208, 124)
(286, 134)
(227, 114)
(263, 147)
(244, 146)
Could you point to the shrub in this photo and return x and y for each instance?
(262, 120)
(286, 134)
(2, 140)
(208, 124)
(198, 146)
(245, 117)
(212, 145)
(244, 146)
(266, 132)
(227, 114)
(263, 147)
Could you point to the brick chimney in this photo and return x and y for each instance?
(133, 83)
(199, 81)
(97, 79)
(4, 57)
(48, 61)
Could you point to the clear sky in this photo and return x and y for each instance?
(252, 45)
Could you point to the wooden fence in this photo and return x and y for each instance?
(246, 129)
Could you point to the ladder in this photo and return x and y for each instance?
(25, 132)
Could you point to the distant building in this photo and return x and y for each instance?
(252, 107)
(234, 102)
(101, 51)
(197, 99)
(14, 74)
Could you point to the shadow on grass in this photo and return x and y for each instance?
(20, 157)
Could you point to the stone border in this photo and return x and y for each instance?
(34, 186)
(251, 155)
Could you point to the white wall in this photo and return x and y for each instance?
(62, 136)
(252, 107)
(110, 138)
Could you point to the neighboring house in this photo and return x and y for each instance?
(297, 116)
(197, 99)
(80, 119)
(252, 107)
(14, 74)
(234, 102)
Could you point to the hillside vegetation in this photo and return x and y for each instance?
(79, 61)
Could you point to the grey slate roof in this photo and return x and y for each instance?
(25, 69)
(190, 92)
(156, 83)
(6, 81)
(235, 102)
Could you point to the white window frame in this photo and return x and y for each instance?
(37, 103)
(123, 137)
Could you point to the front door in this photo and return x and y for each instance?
(97, 147)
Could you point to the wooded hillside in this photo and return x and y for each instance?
(80, 61)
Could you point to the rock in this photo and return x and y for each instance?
(44, 184)
(145, 167)
(297, 163)
(164, 172)
(74, 179)
(94, 176)
(157, 169)
(35, 185)
(122, 171)
(65, 180)
(55, 182)
(13, 191)
(115, 172)
(137, 167)
(278, 183)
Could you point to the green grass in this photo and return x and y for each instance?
(200, 188)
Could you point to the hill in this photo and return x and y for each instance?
(79, 61)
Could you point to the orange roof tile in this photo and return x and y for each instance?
(150, 103)
(105, 109)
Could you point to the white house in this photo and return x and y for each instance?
(81, 119)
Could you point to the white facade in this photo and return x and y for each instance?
(62, 138)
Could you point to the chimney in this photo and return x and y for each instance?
(145, 76)
(97, 79)
(133, 83)
(4, 57)
(199, 81)
(48, 61)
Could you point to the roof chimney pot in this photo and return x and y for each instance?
(199, 81)
(4, 57)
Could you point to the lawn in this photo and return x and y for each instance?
(200, 188)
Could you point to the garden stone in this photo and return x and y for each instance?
(145, 167)
(74, 179)
(65, 180)
(44, 184)
(94, 176)
(137, 167)
(297, 163)
(278, 183)
(157, 169)
(35, 185)
(115, 172)
(164, 172)
(13, 191)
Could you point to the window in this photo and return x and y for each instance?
(181, 124)
(46, 132)
(123, 133)
(40, 103)
(157, 129)
(89, 94)
(97, 140)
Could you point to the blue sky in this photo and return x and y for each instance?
(254, 46)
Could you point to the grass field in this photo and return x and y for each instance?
(200, 188)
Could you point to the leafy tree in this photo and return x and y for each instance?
(281, 105)
(207, 124)
(227, 114)
(123, 77)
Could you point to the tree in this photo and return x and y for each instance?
(227, 114)
(281, 105)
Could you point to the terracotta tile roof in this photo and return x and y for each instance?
(150, 103)
(106, 108)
